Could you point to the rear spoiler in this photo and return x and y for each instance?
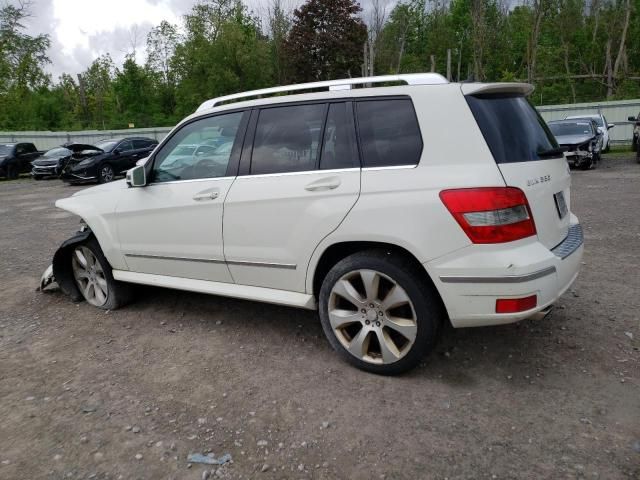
(490, 88)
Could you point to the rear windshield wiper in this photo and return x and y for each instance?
(552, 152)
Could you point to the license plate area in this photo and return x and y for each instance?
(561, 204)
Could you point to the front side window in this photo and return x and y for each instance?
(125, 146)
(287, 139)
(389, 133)
(201, 149)
(139, 144)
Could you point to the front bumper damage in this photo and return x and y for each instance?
(577, 157)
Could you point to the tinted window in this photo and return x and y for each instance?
(338, 146)
(138, 144)
(125, 146)
(28, 148)
(389, 133)
(201, 149)
(287, 139)
(5, 149)
(571, 128)
(512, 128)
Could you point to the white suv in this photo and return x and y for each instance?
(390, 209)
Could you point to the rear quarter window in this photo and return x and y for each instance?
(389, 132)
(512, 128)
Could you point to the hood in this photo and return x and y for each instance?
(105, 187)
(79, 147)
(573, 139)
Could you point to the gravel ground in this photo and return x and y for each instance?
(129, 394)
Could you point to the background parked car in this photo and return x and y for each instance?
(51, 163)
(582, 139)
(115, 157)
(636, 132)
(15, 158)
(603, 126)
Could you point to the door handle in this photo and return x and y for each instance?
(323, 184)
(205, 196)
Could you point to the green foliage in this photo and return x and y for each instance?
(326, 40)
(572, 50)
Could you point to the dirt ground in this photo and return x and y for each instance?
(129, 394)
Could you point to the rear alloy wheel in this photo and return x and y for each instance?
(378, 312)
(106, 173)
(93, 277)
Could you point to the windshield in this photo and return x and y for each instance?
(5, 149)
(573, 128)
(107, 145)
(57, 152)
(597, 119)
(512, 128)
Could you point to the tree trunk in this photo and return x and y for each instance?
(568, 70)
(623, 40)
(609, 70)
(448, 64)
(433, 63)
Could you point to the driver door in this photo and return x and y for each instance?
(173, 225)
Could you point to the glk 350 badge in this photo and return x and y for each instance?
(537, 180)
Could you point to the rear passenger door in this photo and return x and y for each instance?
(299, 177)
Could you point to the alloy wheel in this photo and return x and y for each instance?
(106, 173)
(89, 276)
(372, 317)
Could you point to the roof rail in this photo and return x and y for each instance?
(343, 84)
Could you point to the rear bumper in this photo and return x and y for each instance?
(470, 281)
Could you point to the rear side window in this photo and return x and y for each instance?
(389, 133)
(287, 139)
(138, 144)
(513, 129)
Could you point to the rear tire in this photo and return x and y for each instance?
(94, 279)
(379, 312)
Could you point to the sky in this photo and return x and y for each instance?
(82, 30)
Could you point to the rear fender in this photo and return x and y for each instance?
(62, 272)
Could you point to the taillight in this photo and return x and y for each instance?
(491, 214)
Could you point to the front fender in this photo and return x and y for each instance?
(62, 272)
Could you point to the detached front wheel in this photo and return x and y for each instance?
(93, 277)
(379, 313)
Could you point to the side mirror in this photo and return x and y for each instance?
(117, 151)
(610, 126)
(137, 176)
(631, 119)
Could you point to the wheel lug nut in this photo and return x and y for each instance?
(377, 324)
(363, 310)
(367, 322)
(380, 313)
(371, 305)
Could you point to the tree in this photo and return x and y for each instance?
(325, 40)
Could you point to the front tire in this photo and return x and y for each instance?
(379, 312)
(94, 279)
(105, 173)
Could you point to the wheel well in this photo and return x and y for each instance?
(338, 251)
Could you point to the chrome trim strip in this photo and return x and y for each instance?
(190, 180)
(502, 279)
(391, 167)
(244, 263)
(182, 259)
(304, 172)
